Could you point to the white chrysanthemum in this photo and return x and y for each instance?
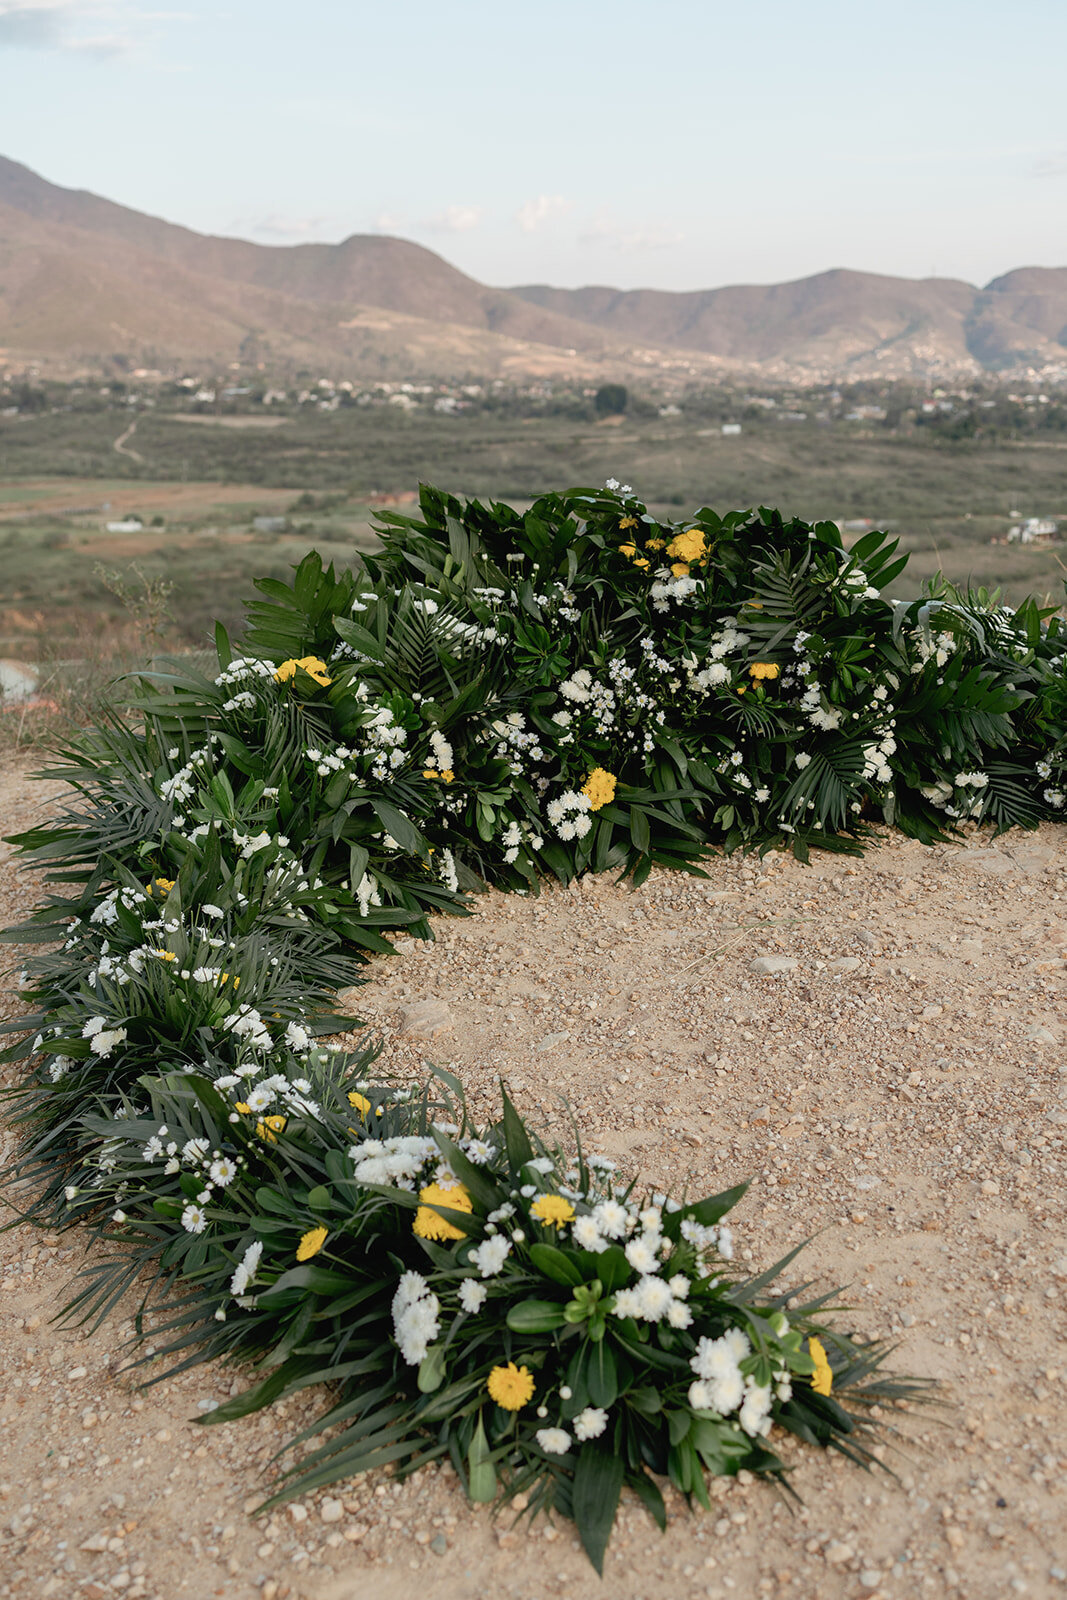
(612, 1219)
(587, 1235)
(246, 1268)
(755, 1414)
(641, 1253)
(472, 1295)
(590, 1423)
(654, 1297)
(489, 1257)
(194, 1219)
(553, 1441)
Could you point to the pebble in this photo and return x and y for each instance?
(837, 1553)
(426, 1018)
(331, 1510)
(767, 966)
(844, 964)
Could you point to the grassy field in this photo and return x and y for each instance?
(66, 582)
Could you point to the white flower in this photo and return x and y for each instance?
(679, 1314)
(245, 1270)
(297, 1036)
(490, 1256)
(472, 1295)
(586, 1235)
(590, 1423)
(754, 1416)
(641, 1254)
(93, 1027)
(118, 1216)
(553, 1441)
(700, 1396)
(194, 1219)
(105, 1041)
(415, 1317)
(612, 1219)
(802, 759)
(222, 1172)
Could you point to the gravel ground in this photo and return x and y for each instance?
(880, 1045)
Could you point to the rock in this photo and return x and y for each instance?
(767, 966)
(95, 1542)
(837, 1553)
(404, 947)
(298, 1512)
(870, 1578)
(331, 1511)
(761, 1116)
(439, 1545)
(931, 1013)
(844, 964)
(868, 939)
(1040, 1035)
(985, 861)
(550, 1040)
(426, 1018)
(990, 1186)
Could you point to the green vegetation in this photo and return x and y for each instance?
(492, 697)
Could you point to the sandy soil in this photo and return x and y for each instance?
(901, 1091)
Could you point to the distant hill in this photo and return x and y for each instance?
(83, 280)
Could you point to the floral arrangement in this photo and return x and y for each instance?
(491, 697)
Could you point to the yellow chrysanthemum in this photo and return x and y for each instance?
(655, 544)
(511, 1387)
(311, 1243)
(680, 569)
(445, 774)
(553, 1210)
(164, 885)
(763, 669)
(360, 1101)
(270, 1128)
(688, 546)
(599, 788)
(823, 1379)
(165, 955)
(627, 522)
(630, 551)
(428, 1223)
(314, 666)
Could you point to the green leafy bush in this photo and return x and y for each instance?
(493, 696)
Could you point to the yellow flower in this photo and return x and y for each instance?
(655, 544)
(627, 522)
(630, 550)
(688, 546)
(224, 977)
(165, 885)
(447, 774)
(757, 605)
(763, 669)
(311, 1243)
(360, 1101)
(511, 1387)
(680, 569)
(428, 1223)
(314, 666)
(552, 1210)
(270, 1128)
(165, 955)
(599, 788)
(239, 1105)
(823, 1380)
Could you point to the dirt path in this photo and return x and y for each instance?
(901, 1091)
(123, 448)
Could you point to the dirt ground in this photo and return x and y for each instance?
(900, 1091)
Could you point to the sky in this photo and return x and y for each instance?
(672, 144)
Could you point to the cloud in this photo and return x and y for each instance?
(292, 229)
(455, 219)
(632, 241)
(82, 27)
(388, 222)
(1052, 166)
(533, 214)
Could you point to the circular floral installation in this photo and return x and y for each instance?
(491, 698)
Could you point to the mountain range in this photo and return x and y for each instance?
(84, 280)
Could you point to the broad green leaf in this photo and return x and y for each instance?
(598, 1480)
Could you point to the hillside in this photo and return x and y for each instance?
(83, 279)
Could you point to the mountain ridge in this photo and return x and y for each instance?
(83, 278)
